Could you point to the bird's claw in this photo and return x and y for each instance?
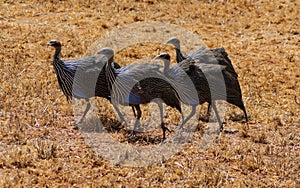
(124, 122)
(78, 123)
(166, 129)
(221, 128)
(179, 127)
(132, 133)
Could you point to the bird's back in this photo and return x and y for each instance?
(213, 56)
(222, 58)
(146, 82)
(79, 77)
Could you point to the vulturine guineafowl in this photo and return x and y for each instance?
(207, 80)
(137, 84)
(81, 78)
(215, 56)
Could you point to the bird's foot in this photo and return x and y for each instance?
(179, 127)
(132, 133)
(79, 122)
(123, 123)
(221, 128)
(164, 128)
(204, 119)
(247, 118)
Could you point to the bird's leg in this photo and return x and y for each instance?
(217, 115)
(182, 116)
(87, 108)
(188, 117)
(133, 111)
(121, 118)
(205, 117)
(137, 120)
(208, 111)
(163, 127)
(245, 113)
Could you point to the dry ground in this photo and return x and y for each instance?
(39, 146)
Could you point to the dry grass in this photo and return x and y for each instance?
(40, 147)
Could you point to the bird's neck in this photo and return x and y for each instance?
(179, 55)
(166, 66)
(111, 60)
(57, 52)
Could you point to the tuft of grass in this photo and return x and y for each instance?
(46, 149)
(260, 138)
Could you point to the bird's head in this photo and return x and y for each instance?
(54, 43)
(107, 52)
(174, 41)
(163, 56)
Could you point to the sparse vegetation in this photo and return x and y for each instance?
(39, 146)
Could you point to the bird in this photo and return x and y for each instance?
(81, 78)
(214, 56)
(207, 80)
(140, 83)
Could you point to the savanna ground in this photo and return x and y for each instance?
(39, 146)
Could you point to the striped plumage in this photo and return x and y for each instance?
(206, 78)
(81, 78)
(137, 84)
(220, 57)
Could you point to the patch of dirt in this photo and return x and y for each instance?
(40, 147)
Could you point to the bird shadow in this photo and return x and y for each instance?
(105, 124)
(99, 125)
(234, 118)
(237, 118)
(143, 138)
(112, 126)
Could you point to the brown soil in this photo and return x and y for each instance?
(39, 146)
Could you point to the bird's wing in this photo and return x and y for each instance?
(232, 84)
(88, 62)
(84, 61)
(127, 83)
(86, 71)
(203, 55)
(179, 77)
(213, 56)
(222, 57)
(210, 68)
(215, 79)
(139, 71)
